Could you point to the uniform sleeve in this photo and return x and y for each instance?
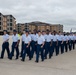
(57, 37)
(43, 39)
(8, 36)
(63, 38)
(52, 37)
(29, 38)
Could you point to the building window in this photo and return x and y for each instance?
(10, 20)
(7, 24)
(0, 14)
(10, 28)
(0, 23)
(10, 24)
(18, 26)
(7, 28)
(0, 28)
(11, 16)
(7, 19)
(0, 18)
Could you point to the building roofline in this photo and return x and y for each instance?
(10, 15)
(1, 13)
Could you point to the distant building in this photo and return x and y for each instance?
(7, 22)
(38, 26)
(22, 26)
(57, 27)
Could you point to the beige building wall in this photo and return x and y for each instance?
(41, 27)
(32, 27)
(57, 28)
(47, 27)
(8, 22)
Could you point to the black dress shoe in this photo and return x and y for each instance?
(30, 59)
(1, 57)
(16, 58)
(21, 56)
(42, 60)
(56, 54)
(22, 60)
(10, 58)
(49, 57)
(36, 61)
(45, 57)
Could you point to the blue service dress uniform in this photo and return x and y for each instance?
(55, 44)
(22, 46)
(27, 40)
(15, 39)
(33, 44)
(48, 45)
(5, 45)
(40, 44)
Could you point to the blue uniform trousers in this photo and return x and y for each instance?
(26, 50)
(13, 48)
(73, 44)
(22, 47)
(66, 46)
(55, 47)
(48, 49)
(34, 48)
(70, 45)
(39, 50)
(61, 47)
(5, 46)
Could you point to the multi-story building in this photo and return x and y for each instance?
(7, 22)
(57, 27)
(38, 26)
(31, 26)
(22, 26)
(1, 23)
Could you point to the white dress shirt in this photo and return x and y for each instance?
(15, 38)
(48, 38)
(65, 38)
(40, 39)
(55, 38)
(34, 37)
(74, 37)
(71, 37)
(44, 36)
(23, 37)
(5, 37)
(60, 37)
(27, 39)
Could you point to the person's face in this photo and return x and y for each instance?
(59, 33)
(4, 32)
(29, 32)
(54, 33)
(39, 33)
(14, 33)
(26, 33)
(34, 32)
(50, 32)
(47, 32)
(43, 33)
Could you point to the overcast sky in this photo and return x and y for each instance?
(50, 11)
